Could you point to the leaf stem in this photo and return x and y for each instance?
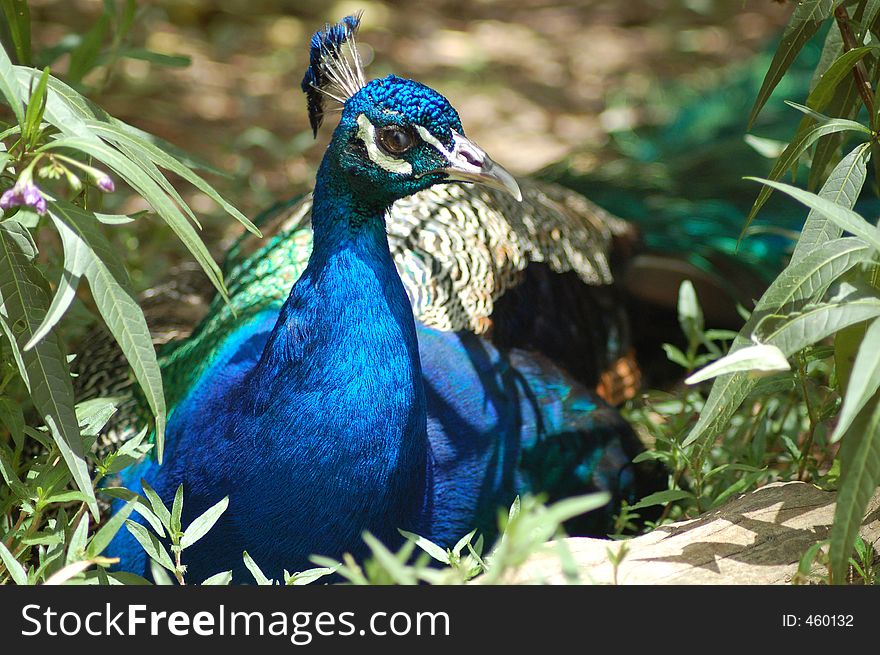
(860, 73)
(811, 412)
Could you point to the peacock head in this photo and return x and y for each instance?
(395, 136)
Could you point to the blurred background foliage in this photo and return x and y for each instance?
(538, 80)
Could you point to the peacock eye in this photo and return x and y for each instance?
(395, 140)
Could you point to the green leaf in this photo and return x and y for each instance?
(802, 281)
(177, 510)
(74, 266)
(859, 476)
(792, 153)
(310, 575)
(44, 368)
(92, 415)
(120, 136)
(822, 119)
(740, 486)
(822, 93)
(18, 20)
(515, 508)
(85, 56)
(805, 21)
(844, 218)
(158, 506)
(255, 570)
(869, 17)
(760, 357)
(223, 578)
(796, 331)
(832, 48)
(12, 416)
(769, 148)
(131, 451)
(76, 547)
(389, 562)
(33, 115)
(842, 188)
(65, 497)
(16, 570)
(9, 86)
(464, 541)
(7, 472)
(201, 525)
(428, 546)
(662, 498)
(173, 61)
(140, 506)
(568, 508)
(126, 578)
(105, 535)
(845, 104)
(151, 544)
(863, 382)
(160, 577)
(690, 315)
(91, 253)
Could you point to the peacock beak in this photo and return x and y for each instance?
(470, 163)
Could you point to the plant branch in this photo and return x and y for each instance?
(860, 73)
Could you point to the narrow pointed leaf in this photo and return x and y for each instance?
(662, 498)
(760, 357)
(223, 578)
(201, 525)
(163, 159)
(864, 381)
(24, 300)
(158, 506)
(64, 295)
(85, 55)
(115, 300)
(822, 93)
(9, 87)
(140, 506)
(797, 331)
(790, 156)
(18, 21)
(859, 476)
(844, 218)
(16, 570)
(805, 21)
(76, 548)
(151, 544)
(105, 535)
(842, 188)
(255, 570)
(428, 546)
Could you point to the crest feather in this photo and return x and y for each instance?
(335, 69)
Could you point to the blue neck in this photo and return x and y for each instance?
(343, 363)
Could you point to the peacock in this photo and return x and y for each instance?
(418, 341)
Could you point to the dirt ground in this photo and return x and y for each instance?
(532, 79)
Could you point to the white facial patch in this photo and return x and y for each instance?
(465, 156)
(367, 133)
(427, 137)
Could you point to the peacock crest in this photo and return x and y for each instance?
(335, 69)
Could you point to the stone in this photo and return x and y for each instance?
(758, 538)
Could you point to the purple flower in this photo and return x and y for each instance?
(24, 194)
(105, 184)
